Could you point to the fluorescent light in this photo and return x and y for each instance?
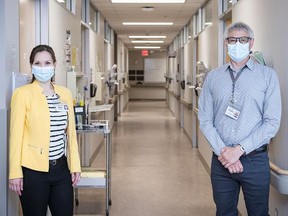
(147, 23)
(147, 47)
(147, 8)
(143, 41)
(61, 1)
(146, 36)
(148, 1)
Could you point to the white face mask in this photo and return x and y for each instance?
(43, 74)
(238, 52)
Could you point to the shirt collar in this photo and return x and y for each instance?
(249, 64)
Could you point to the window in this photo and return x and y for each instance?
(85, 11)
(94, 19)
(111, 36)
(182, 38)
(197, 23)
(190, 30)
(207, 15)
(225, 5)
(107, 31)
(136, 75)
(186, 34)
(68, 4)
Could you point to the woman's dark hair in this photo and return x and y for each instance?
(41, 48)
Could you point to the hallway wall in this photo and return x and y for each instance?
(60, 20)
(266, 19)
(55, 20)
(270, 34)
(9, 62)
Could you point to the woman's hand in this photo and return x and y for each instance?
(16, 185)
(75, 178)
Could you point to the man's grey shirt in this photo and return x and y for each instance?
(257, 94)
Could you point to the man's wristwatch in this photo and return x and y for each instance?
(242, 149)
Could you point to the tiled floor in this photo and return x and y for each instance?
(155, 171)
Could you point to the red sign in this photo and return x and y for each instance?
(144, 53)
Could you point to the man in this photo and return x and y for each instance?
(239, 113)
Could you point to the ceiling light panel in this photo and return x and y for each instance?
(148, 23)
(148, 1)
(147, 47)
(143, 41)
(147, 36)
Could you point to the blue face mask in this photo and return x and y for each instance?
(43, 74)
(238, 52)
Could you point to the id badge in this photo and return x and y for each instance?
(62, 107)
(233, 112)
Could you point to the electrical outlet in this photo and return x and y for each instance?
(275, 212)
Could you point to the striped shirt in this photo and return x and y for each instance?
(257, 95)
(58, 125)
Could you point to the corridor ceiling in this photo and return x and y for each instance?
(178, 13)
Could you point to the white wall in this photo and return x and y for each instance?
(9, 62)
(208, 54)
(147, 92)
(271, 39)
(187, 94)
(266, 19)
(123, 63)
(96, 54)
(27, 33)
(61, 19)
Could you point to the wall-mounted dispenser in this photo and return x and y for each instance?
(93, 90)
(182, 84)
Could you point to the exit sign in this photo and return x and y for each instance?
(144, 53)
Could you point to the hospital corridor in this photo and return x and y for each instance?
(143, 108)
(155, 170)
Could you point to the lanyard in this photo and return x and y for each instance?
(234, 79)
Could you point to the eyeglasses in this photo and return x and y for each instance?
(242, 40)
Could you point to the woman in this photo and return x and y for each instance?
(43, 166)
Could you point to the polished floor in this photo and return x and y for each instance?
(155, 171)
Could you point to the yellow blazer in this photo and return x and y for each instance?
(30, 130)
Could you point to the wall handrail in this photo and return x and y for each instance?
(186, 103)
(277, 169)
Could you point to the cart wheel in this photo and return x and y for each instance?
(110, 202)
(76, 202)
(107, 213)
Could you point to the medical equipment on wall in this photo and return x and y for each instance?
(111, 79)
(201, 73)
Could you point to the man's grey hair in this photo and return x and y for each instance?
(238, 26)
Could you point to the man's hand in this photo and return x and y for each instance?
(229, 155)
(237, 167)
